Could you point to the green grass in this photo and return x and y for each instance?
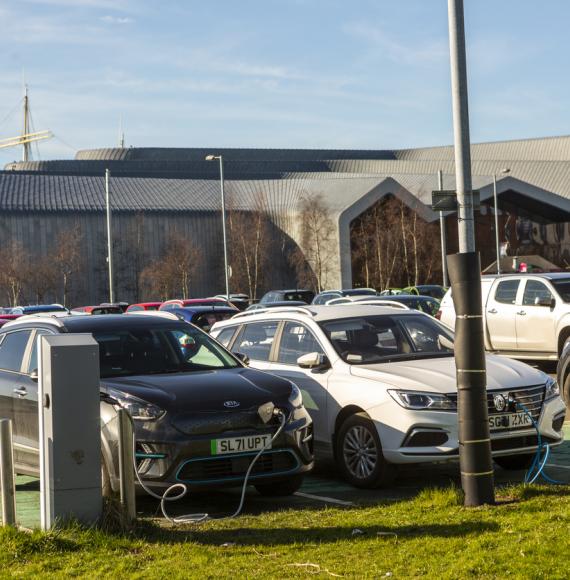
(527, 535)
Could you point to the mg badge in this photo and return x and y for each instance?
(500, 402)
(231, 404)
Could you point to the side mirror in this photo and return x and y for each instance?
(34, 375)
(242, 357)
(313, 360)
(548, 302)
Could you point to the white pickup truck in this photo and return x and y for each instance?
(525, 316)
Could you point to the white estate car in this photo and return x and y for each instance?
(380, 386)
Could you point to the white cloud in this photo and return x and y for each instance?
(116, 19)
(433, 51)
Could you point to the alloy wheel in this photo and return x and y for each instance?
(360, 452)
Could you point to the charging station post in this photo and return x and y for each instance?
(69, 429)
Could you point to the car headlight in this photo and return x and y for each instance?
(295, 398)
(138, 409)
(418, 400)
(552, 389)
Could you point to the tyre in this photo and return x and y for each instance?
(106, 488)
(515, 462)
(566, 390)
(359, 454)
(281, 488)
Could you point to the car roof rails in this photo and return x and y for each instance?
(159, 313)
(282, 309)
(45, 317)
(389, 303)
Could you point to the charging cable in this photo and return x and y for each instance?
(182, 488)
(536, 468)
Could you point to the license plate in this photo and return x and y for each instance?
(509, 421)
(240, 444)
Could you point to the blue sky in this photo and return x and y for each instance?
(278, 73)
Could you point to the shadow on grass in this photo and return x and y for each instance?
(319, 535)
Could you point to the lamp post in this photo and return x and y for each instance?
(443, 236)
(109, 237)
(497, 249)
(226, 269)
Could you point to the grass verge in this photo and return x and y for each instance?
(527, 535)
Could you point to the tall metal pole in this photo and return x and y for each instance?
(226, 269)
(465, 272)
(7, 488)
(497, 249)
(443, 234)
(26, 127)
(109, 237)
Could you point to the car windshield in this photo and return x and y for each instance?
(563, 288)
(385, 338)
(145, 351)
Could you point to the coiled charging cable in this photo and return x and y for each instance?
(197, 518)
(536, 468)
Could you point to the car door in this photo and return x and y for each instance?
(255, 340)
(297, 340)
(26, 405)
(535, 323)
(15, 383)
(501, 314)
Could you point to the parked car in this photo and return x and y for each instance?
(525, 316)
(99, 309)
(170, 304)
(433, 290)
(240, 301)
(260, 306)
(326, 295)
(390, 292)
(380, 385)
(38, 309)
(122, 305)
(143, 306)
(425, 304)
(3, 321)
(194, 404)
(296, 295)
(204, 316)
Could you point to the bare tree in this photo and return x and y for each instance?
(67, 258)
(14, 271)
(42, 279)
(173, 273)
(250, 243)
(313, 263)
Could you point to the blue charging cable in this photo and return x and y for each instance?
(536, 468)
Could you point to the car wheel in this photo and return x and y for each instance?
(515, 462)
(106, 488)
(359, 454)
(566, 389)
(288, 487)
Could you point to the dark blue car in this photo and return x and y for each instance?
(204, 316)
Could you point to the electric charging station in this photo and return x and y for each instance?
(69, 429)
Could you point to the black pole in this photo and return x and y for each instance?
(475, 459)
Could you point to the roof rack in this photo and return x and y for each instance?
(46, 317)
(388, 303)
(160, 313)
(297, 309)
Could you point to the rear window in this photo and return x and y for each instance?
(506, 292)
(299, 296)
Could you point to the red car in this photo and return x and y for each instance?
(7, 317)
(99, 309)
(144, 306)
(169, 304)
(4, 320)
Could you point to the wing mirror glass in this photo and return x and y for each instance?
(34, 375)
(544, 301)
(313, 360)
(242, 357)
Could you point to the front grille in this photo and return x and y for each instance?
(234, 467)
(207, 423)
(531, 397)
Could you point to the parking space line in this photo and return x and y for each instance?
(324, 498)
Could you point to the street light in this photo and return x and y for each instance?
(497, 249)
(213, 158)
